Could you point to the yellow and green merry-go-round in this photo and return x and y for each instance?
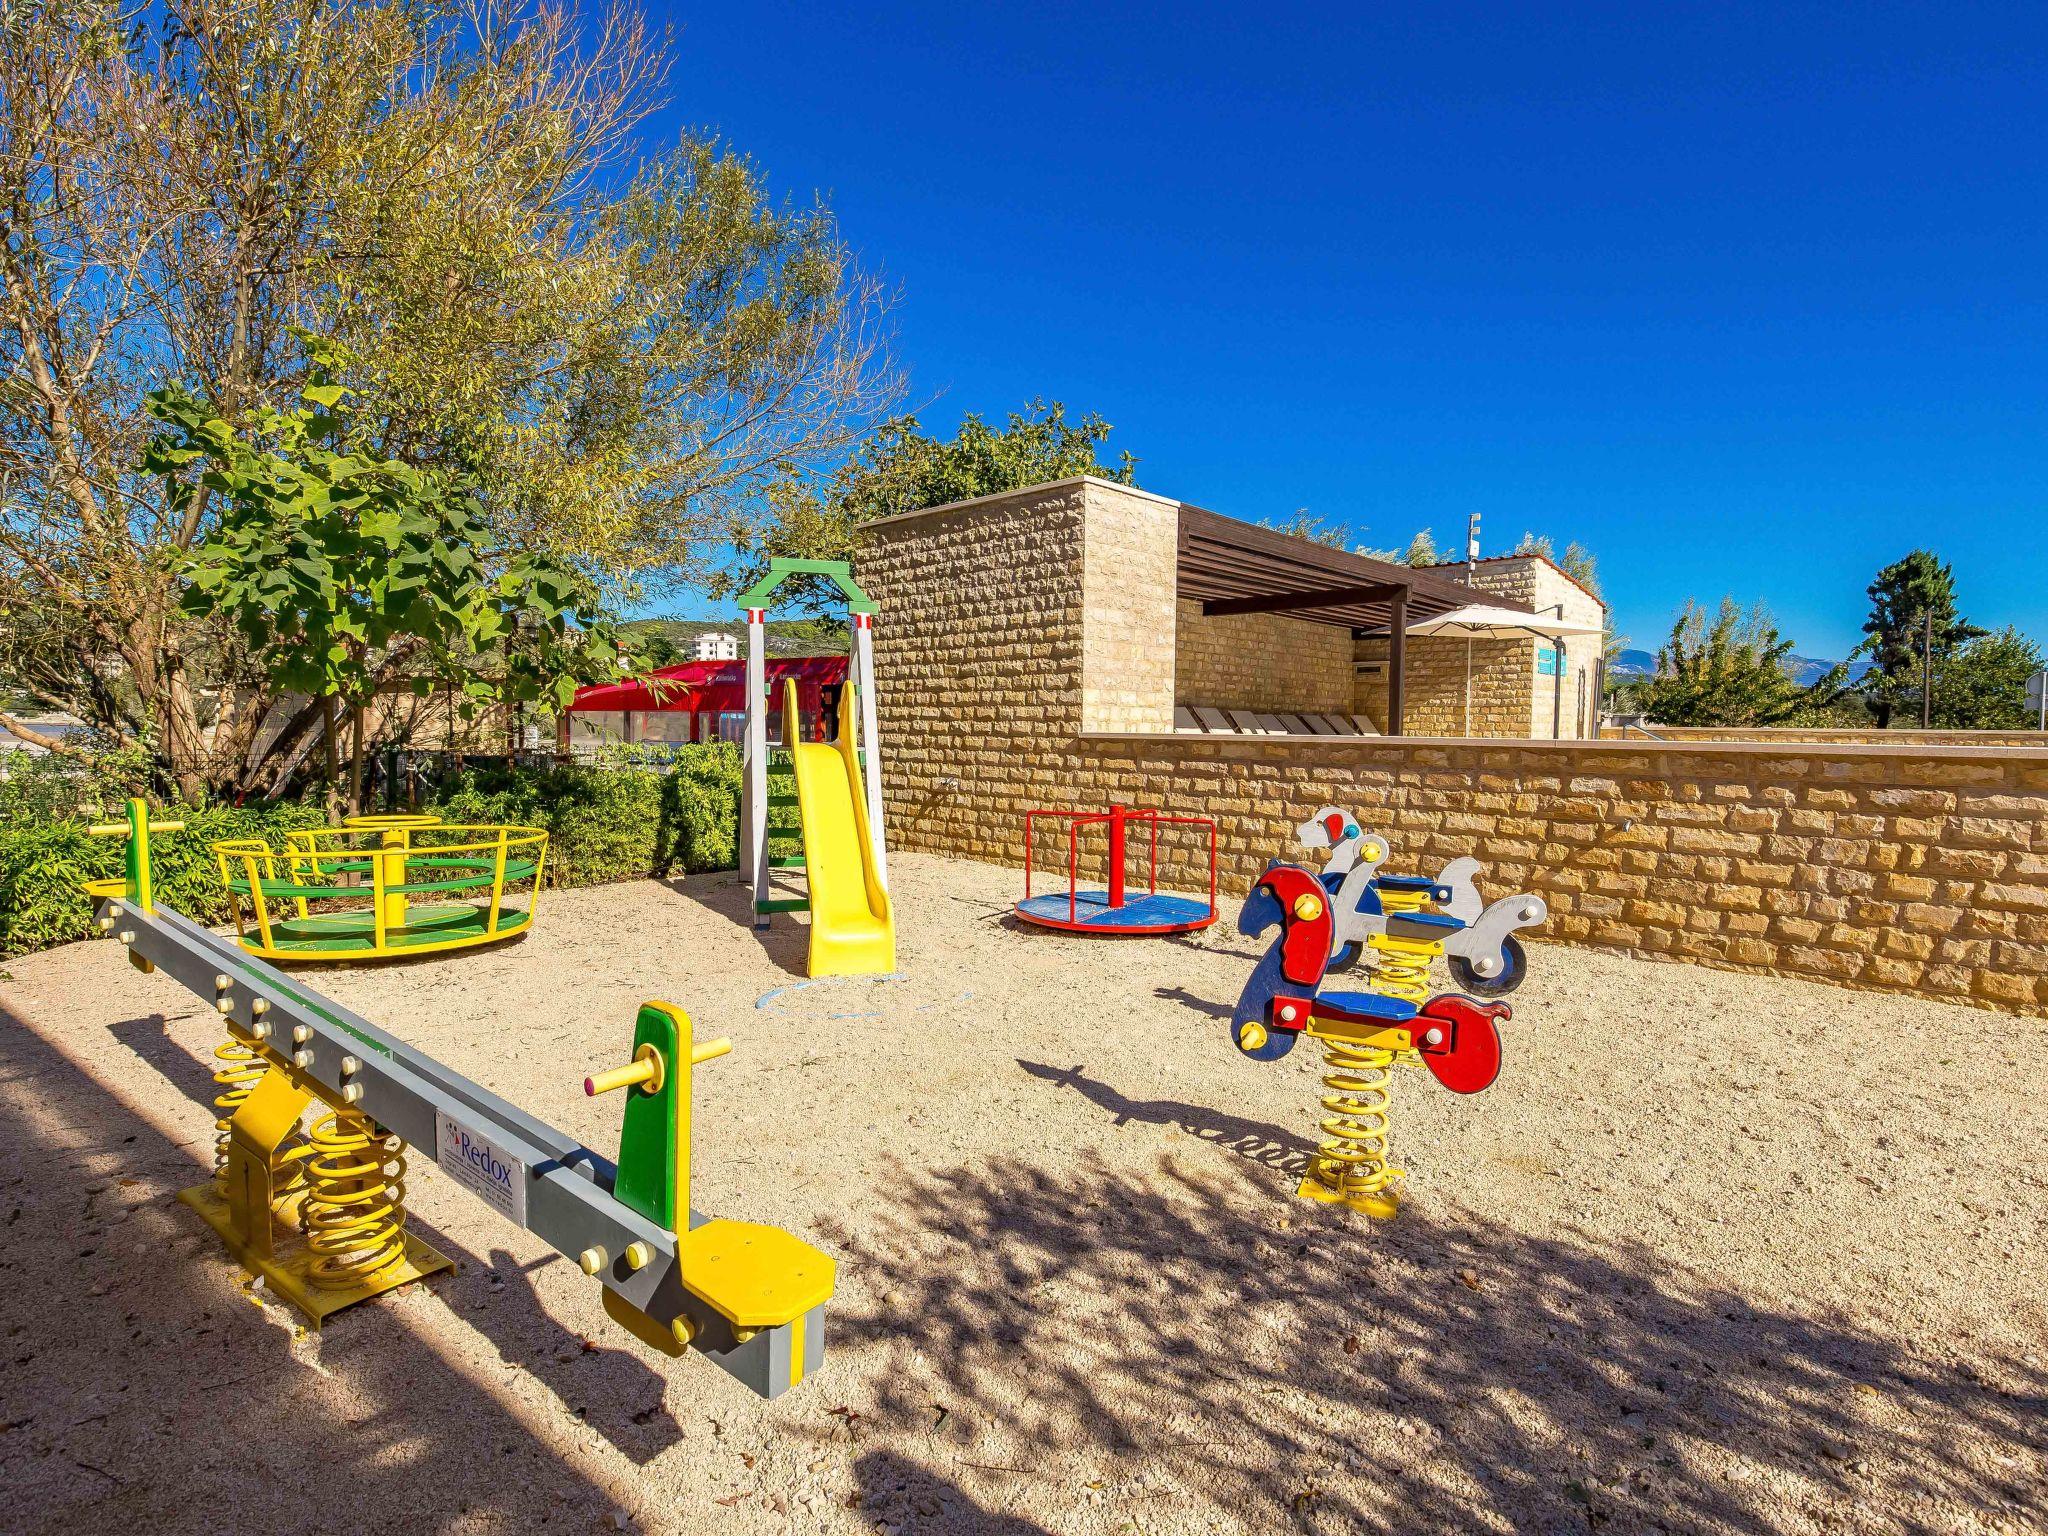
(376, 887)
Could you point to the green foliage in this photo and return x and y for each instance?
(1306, 525)
(615, 823)
(603, 824)
(1906, 597)
(1577, 561)
(1982, 685)
(43, 863)
(1422, 550)
(339, 568)
(53, 788)
(1730, 670)
(622, 344)
(899, 469)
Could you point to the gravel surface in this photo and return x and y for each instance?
(1718, 1253)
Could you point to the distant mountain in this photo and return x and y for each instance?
(1805, 670)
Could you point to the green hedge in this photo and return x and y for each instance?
(613, 823)
(41, 866)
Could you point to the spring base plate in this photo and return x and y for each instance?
(286, 1271)
(1381, 1203)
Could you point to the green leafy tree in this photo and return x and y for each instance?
(1912, 610)
(1730, 670)
(1577, 561)
(1982, 684)
(1422, 550)
(900, 469)
(624, 345)
(348, 576)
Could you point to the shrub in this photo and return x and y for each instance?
(603, 823)
(43, 863)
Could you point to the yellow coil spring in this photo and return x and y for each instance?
(240, 1069)
(1403, 901)
(1403, 970)
(1352, 1159)
(354, 1211)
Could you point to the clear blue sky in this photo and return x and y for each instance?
(1748, 300)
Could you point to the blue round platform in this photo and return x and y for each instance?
(1148, 913)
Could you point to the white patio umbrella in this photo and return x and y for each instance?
(1481, 621)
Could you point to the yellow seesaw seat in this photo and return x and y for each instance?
(853, 928)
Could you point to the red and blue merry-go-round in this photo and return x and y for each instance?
(1119, 906)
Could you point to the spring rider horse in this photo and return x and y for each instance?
(1364, 1034)
(1446, 916)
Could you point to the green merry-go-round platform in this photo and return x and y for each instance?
(378, 887)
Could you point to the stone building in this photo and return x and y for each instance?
(1034, 647)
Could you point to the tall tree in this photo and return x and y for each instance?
(1912, 611)
(1982, 684)
(1730, 670)
(624, 359)
(336, 567)
(900, 469)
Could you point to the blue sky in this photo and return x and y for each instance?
(1747, 300)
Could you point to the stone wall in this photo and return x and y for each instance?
(1919, 868)
(1780, 735)
(1510, 695)
(1435, 700)
(1261, 661)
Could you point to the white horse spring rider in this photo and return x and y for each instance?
(1483, 954)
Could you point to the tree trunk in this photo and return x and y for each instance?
(355, 760)
(330, 733)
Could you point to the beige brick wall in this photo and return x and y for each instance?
(1923, 868)
(1261, 661)
(1780, 735)
(1510, 695)
(1131, 546)
(1435, 702)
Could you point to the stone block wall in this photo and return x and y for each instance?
(1781, 734)
(1510, 695)
(1922, 868)
(1131, 546)
(1435, 701)
(1261, 661)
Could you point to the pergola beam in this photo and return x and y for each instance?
(1324, 597)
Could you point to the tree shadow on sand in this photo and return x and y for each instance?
(1297, 1368)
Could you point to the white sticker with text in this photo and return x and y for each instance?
(482, 1167)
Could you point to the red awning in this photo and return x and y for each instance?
(710, 686)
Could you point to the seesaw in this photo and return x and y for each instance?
(322, 1220)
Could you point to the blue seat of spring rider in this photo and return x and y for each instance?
(1366, 1005)
(1404, 882)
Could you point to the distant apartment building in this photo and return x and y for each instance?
(715, 645)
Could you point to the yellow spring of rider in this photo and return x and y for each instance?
(1403, 970)
(354, 1210)
(1351, 1164)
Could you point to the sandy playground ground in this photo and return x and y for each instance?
(1718, 1253)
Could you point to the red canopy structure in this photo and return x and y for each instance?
(713, 688)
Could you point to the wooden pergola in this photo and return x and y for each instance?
(1237, 567)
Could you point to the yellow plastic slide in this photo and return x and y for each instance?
(853, 929)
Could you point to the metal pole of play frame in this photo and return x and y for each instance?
(1468, 673)
(757, 758)
(870, 740)
(1116, 857)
